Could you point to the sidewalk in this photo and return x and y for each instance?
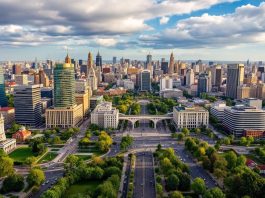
(123, 174)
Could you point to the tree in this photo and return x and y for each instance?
(185, 131)
(159, 190)
(35, 177)
(250, 140)
(231, 159)
(104, 141)
(184, 181)
(159, 147)
(172, 182)
(166, 165)
(31, 161)
(126, 142)
(214, 193)
(206, 163)
(13, 182)
(197, 131)
(6, 165)
(241, 160)
(243, 141)
(227, 141)
(180, 136)
(176, 194)
(198, 186)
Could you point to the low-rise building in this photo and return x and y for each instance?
(64, 117)
(171, 93)
(6, 144)
(239, 118)
(22, 134)
(106, 116)
(190, 117)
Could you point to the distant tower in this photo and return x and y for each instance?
(235, 78)
(99, 61)
(64, 84)
(145, 77)
(171, 64)
(3, 99)
(92, 78)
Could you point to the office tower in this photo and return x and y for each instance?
(240, 118)
(204, 84)
(7, 145)
(27, 102)
(44, 79)
(190, 77)
(166, 83)
(218, 76)
(164, 67)
(64, 84)
(65, 113)
(84, 70)
(182, 69)
(114, 60)
(99, 61)
(235, 78)
(23, 79)
(3, 99)
(145, 79)
(16, 69)
(149, 59)
(171, 64)
(92, 78)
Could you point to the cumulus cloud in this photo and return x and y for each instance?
(246, 25)
(164, 20)
(51, 21)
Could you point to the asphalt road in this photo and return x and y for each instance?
(126, 179)
(144, 181)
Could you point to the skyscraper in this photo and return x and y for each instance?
(3, 99)
(171, 64)
(145, 79)
(99, 61)
(92, 78)
(164, 67)
(27, 102)
(114, 60)
(235, 78)
(190, 77)
(204, 84)
(148, 59)
(16, 69)
(64, 84)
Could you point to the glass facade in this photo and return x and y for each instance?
(3, 99)
(64, 85)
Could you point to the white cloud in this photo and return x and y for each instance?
(164, 20)
(106, 42)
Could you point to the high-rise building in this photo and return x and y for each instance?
(99, 61)
(204, 84)
(218, 76)
(92, 78)
(16, 69)
(64, 84)
(164, 67)
(166, 83)
(149, 59)
(114, 60)
(190, 77)
(145, 79)
(22, 79)
(3, 99)
(171, 64)
(235, 78)
(27, 102)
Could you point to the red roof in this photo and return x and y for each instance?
(261, 167)
(6, 108)
(250, 162)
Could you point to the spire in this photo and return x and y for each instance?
(98, 53)
(67, 58)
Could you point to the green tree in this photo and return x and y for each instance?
(172, 182)
(13, 182)
(197, 131)
(231, 159)
(176, 194)
(241, 160)
(180, 136)
(214, 193)
(185, 131)
(35, 177)
(31, 161)
(250, 140)
(6, 165)
(126, 142)
(198, 186)
(243, 141)
(159, 190)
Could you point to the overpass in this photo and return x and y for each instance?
(154, 118)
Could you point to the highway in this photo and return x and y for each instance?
(144, 181)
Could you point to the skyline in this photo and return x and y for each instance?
(219, 30)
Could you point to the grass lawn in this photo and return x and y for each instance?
(48, 157)
(21, 154)
(82, 188)
(84, 157)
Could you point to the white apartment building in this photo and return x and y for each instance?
(104, 115)
(166, 83)
(190, 117)
(128, 84)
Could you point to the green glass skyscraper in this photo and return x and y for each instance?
(3, 99)
(64, 84)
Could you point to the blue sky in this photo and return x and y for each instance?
(201, 29)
